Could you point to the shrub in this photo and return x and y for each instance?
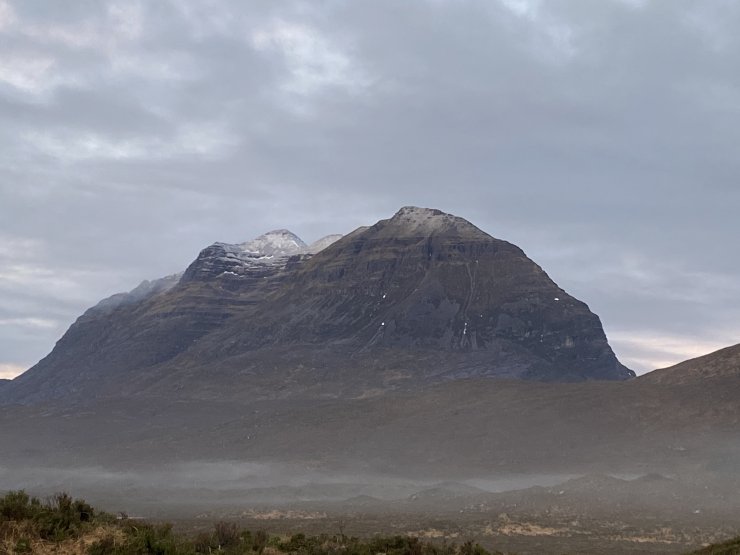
(18, 505)
(62, 517)
(469, 548)
(226, 534)
(259, 541)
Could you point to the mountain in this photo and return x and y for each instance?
(429, 280)
(417, 299)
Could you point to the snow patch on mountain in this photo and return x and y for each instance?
(279, 242)
(257, 258)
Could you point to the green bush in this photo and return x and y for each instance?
(62, 517)
(18, 505)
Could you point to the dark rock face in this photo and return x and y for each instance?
(262, 257)
(421, 297)
(428, 280)
(230, 264)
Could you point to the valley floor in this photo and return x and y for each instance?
(522, 534)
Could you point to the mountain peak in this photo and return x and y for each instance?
(420, 216)
(418, 211)
(418, 221)
(278, 242)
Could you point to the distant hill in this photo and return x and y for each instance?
(417, 299)
(714, 367)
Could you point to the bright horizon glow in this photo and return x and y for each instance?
(10, 371)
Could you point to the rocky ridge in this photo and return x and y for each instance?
(258, 258)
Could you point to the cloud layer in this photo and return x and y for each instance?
(599, 136)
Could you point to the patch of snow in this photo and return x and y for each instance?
(279, 242)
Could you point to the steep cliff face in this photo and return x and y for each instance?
(421, 297)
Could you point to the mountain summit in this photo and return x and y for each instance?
(279, 242)
(424, 280)
(416, 299)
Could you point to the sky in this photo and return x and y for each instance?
(601, 137)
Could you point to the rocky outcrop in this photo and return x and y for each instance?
(259, 258)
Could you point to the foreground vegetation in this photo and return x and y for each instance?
(731, 547)
(62, 525)
(66, 526)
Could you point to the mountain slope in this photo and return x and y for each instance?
(428, 280)
(720, 365)
(421, 297)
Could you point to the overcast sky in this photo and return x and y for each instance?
(601, 137)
